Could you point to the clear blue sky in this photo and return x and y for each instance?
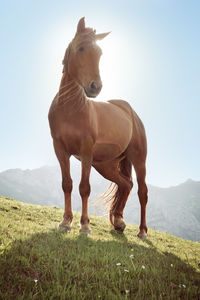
(151, 59)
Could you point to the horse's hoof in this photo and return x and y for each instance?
(65, 225)
(142, 235)
(119, 225)
(119, 229)
(64, 228)
(85, 229)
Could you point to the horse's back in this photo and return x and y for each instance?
(124, 105)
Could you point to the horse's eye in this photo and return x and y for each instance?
(81, 49)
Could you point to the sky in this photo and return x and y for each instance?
(150, 59)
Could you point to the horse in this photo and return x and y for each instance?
(108, 136)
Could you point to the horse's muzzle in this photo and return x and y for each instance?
(94, 89)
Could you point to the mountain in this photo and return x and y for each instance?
(175, 210)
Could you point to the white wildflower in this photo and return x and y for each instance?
(126, 270)
(127, 291)
(143, 267)
(118, 264)
(131, 256)
(35, 280)
(182, 286)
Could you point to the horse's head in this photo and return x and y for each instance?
(82, 57)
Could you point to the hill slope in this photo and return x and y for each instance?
(39, 262)
(175, 210)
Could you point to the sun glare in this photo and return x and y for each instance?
(118, 67)
(110, 64)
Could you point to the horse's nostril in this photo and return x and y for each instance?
(93, 85)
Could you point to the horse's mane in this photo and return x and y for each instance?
(66, 58)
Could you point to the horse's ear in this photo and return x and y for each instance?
(81, 25)
(101, 36)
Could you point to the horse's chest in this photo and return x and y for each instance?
(70, 134)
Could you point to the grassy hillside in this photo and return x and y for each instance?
(39, 262)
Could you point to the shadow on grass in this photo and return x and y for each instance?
(120, 236)
(57, 265)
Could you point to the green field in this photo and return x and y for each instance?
(37, 261)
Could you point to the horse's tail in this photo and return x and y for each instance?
(118, 193)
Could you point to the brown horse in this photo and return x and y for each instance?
(106, 135)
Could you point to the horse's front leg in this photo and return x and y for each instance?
(84, 187)
(63, 158)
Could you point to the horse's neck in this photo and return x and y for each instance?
(71, 94)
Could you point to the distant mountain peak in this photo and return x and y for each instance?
(189, 180)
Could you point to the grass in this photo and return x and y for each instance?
(39, 262)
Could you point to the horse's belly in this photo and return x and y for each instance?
(104, 152)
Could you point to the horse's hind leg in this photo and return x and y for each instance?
(119, 197)
(63, 159)
(119, 201)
